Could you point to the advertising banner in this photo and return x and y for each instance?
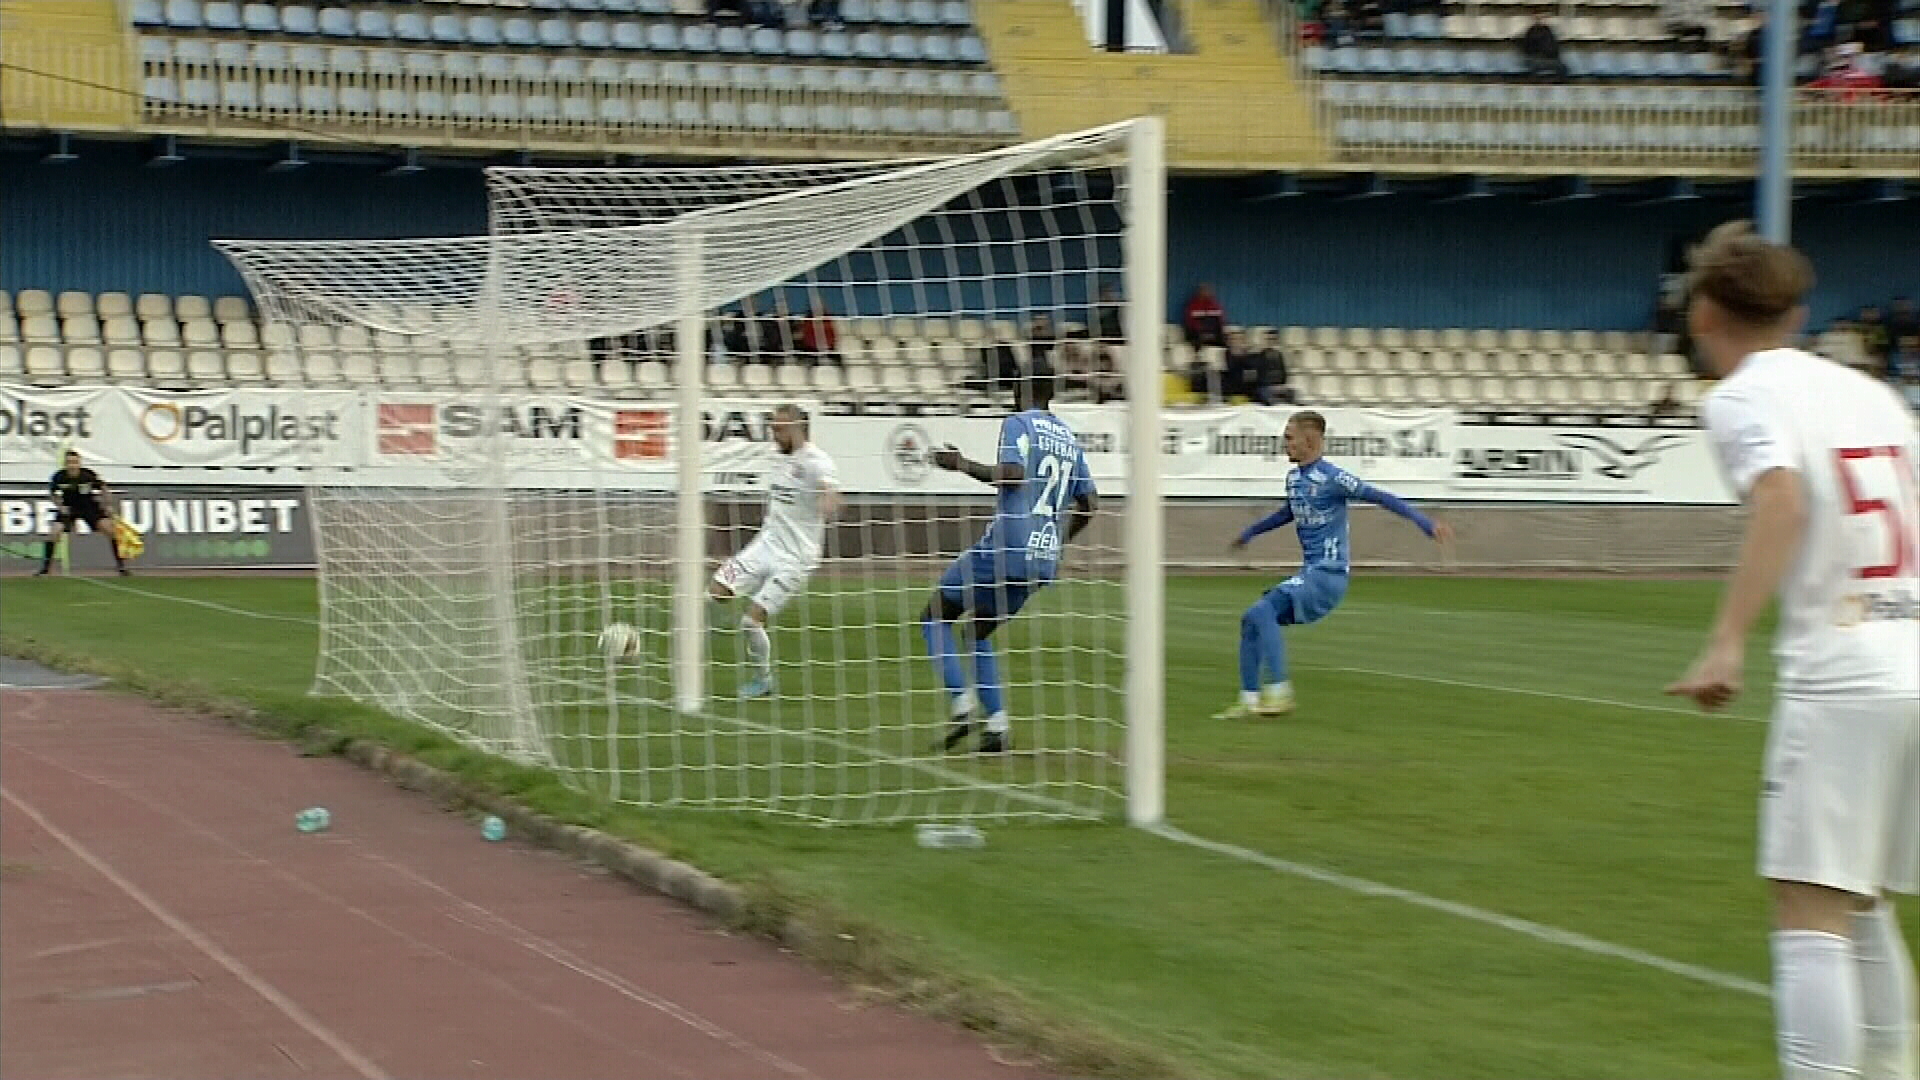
(256, 527)
(1673, 466)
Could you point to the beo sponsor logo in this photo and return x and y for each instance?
(24, 419)
(168, 422)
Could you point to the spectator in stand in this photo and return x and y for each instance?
(775, 338)
(1088, 367)
(1687, 20)
(1338, 22)
(1540, 50)
(1823, 26)
(1746, 46)
(1902, 70)
(1903, 363)
(1873, 335)
(1847, 77)
(1902, 320)
(1205, 320)
(1666, 405)
(726, 9)
(816, 341)
(825, 14)
(1257, 375)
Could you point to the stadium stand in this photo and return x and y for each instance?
(910, 72)
(187, 342)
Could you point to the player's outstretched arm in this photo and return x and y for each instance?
(1278, 519)
(1365, 492)
(1004, 474)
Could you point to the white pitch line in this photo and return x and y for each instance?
(1466, 684)
(290, 1009)
(208, 604)
(1543, 932)
(1552, 935)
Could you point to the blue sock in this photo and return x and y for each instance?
(1273, 647)
(986, 677)
(939, 635)
(1250, 650)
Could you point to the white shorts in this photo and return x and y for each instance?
(1840, 802)
(764, 574)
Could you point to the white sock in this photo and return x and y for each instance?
(964, 704)
(1280, 689)
(759, 648)
(997, 723)
(1249, 697)
(1886, 995)
(1816, 1006)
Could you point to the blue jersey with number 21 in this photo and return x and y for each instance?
(1026, 536)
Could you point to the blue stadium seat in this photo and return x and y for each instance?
(184, 14)
(783, 78)
(556, 33)
(423, 65)
(615, 111)
(923, 13)
(260, 19)
(194, 52)
(723, 114)
(749, 77)
(541, 108)
(835, 45)
(238, 95)
(889, 11)
(584, 5)
(576, 110)
(956, 13)
(713, 75)
(731, 39)
(449, 29)
(336, 22)
(496, 66)
(373, 24)
(386, 62)
(347, 62)
(278, 97)
(430, 105)
(568, 68)
(548, 5)
(863, 118)
(200, 93)
(898, 120)
(594, 34)
(662, 37)
(530, 68)
(629, 35)
(656, 7)
(308, 58)
(156, 50)
(803, 43)
(483, 30)
(393, 104)
(298, 20)
(903, 47)
(688, 113)
(971, 50)
(870, 46)
(795, 117)
(504, 107)
(965, 121)
(222, 15)
(697, 38)
(767, 41)
(856, 11)
(148, 13)
(413, 26)
(519, 31)
(830, 118)
(937, 48)
(160, 88)
(233, 54)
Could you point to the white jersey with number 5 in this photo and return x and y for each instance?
(1850, 605)
(797, 484)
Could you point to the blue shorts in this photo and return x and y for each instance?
(1306, 597)
(992, 583)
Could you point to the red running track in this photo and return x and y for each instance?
(161, 917)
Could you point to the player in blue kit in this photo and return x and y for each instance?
(1317, 496)
(1040, 469)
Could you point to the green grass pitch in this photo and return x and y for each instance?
(1500, 744)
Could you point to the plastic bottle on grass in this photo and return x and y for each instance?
(936, 835)
(312, 819)
(493, 828)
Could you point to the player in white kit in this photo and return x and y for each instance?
(803, 494)
(1828, 463)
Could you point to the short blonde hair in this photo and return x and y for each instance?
(1750, 277)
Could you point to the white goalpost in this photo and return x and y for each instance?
(572, 432)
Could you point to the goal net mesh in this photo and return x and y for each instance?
(468, 590)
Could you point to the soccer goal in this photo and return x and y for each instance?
(587, 438)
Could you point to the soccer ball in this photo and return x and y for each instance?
(620, 641)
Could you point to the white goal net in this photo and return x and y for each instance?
(592, 435)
